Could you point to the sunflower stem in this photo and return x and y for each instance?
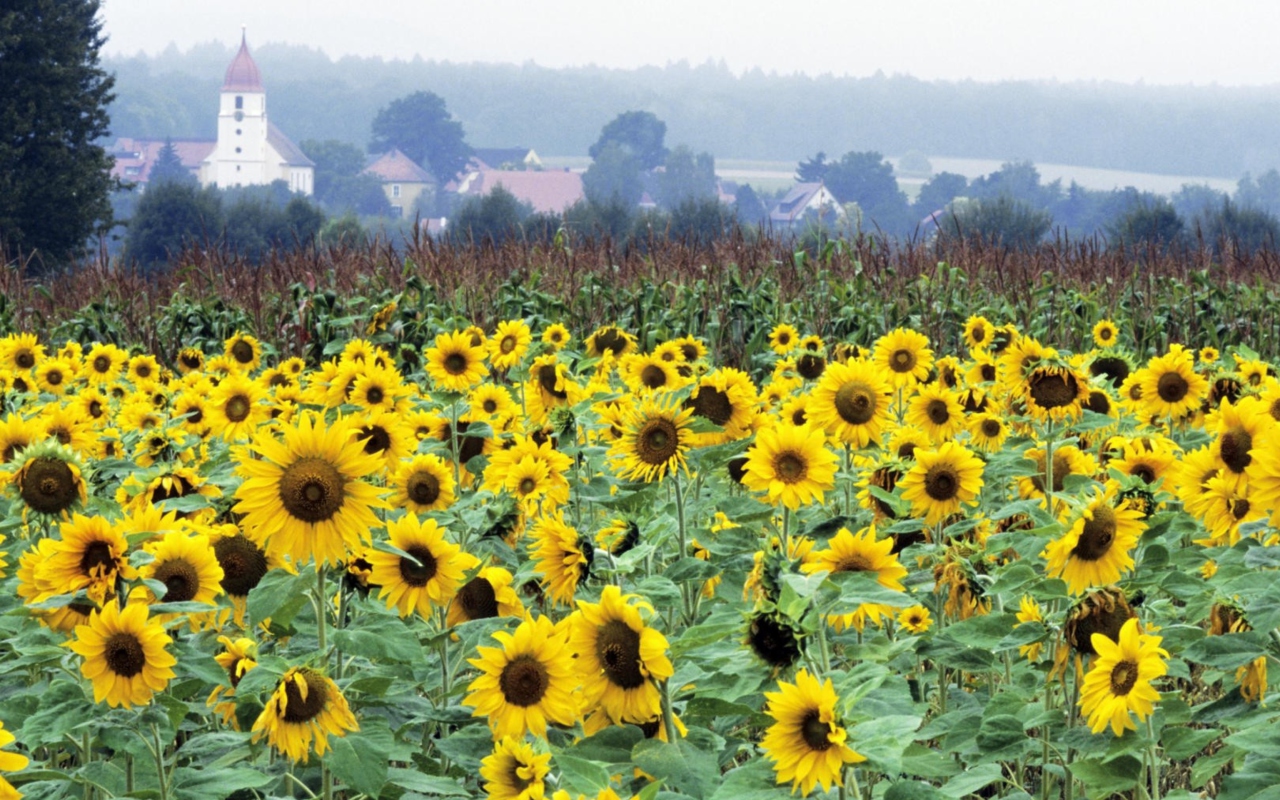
(86, 757)
(668, 715)
(1155, 764)
(686, 604)
(321, 614)
(158, 752)
(822, 647)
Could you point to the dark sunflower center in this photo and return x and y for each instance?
(53, 377)
(658, 441)
(489, 405)
(25, 359)
(988, 372)
(1239, 508)
(547, 379)
(853, 563)
(1234, 446)
(907, 450)
(124, 654)
(855, 403)
(798, 417)
(190, 361)
(1116, 369)
(1105, 334)
(418, 574)
(1144, 471)
(97, 557)
(234, 673)
(508, 344)
(243, 564)
(180, 578)
(237, 408)
(1098, 535)
(524, 681)
(423, 488)
(712, 404)
(814, 731)
(938, 412)
(196, 415)
(48, 486)
(455, 364)
(653, 376)
(1053, 390)
(299, 709)
(618, 648)
(242, 351)
(979, 333)
(1098, 402)
(784, 338)
(811, 366)
(527, 485)
(1061, 469)
(101, 364)
(991, 428)
(773, 642)
(790, 467)
(377, 439)
(902, 361)
(311, 489)
(941, 482)
(611, 340)
(62, 433)
(478, 599)
(374, 395)
(1172, 387)
(95, 408)
(1123, 676)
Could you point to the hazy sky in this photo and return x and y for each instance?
(1169, 42)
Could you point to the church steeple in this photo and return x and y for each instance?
(243, 74)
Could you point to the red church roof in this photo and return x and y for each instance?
(243, 74)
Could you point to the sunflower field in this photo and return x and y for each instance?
(544, 560)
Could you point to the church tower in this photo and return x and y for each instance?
(240, 157)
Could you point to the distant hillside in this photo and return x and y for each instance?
(1212, 131)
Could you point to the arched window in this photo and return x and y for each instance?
(239, 101)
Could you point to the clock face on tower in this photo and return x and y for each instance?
(239, 116)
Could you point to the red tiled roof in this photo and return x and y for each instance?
(134, 158)
(547, 191)
(395, 167)
(243, 74)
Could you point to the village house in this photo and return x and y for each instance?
(403, 181)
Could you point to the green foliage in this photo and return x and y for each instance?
(169, 167)
(54, 181)
(686, 178)
(639, 134)
(422, 128)
(1002, 221)
(340, 185)
(169, 218)
(492, 218)
(613, 177)
(867, 179)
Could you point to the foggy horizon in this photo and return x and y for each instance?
(926, 39)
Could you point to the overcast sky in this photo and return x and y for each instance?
(1169, 42)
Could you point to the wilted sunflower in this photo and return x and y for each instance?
(654, 442)
(847, 552)
(851, 402)
(1105, 333)
(304, 495)
(807, 739)
(1054, 392)
(237, 658)
(90, 555)
(489, 594)
(610, 339)
(49, 480)
(305, 709)
(792, 465)
(619, 657)
(423, 484)
(724, 397)
(1095, 550)
(433, 580)
(509, 344)
(941, 481)
(1171, 387)
(514, 771)
(903, 355)
(244, 351)
(526, 682)
(774, 639)
(124, 655)
(1120, 680)
(563, 558)
(455, 363)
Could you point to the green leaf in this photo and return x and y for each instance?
(683, 765)
(1258, 779)
(857, 588)
(360, 759)
(276, 589)
(1263, 612)
(612, 745)
(190, 783)
(1181, 743)
(1227, 651)
(690, 569)
(998, 733)
(755, 780)
(913, 790)
(426, 784)
(973, 779)
(581, 774)
(1105, 779)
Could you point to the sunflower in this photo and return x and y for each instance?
(1171, 387)
(90, 555)
(847, 552)
(563, 557)
(489, 594)
(1054, 392)
(455, 363)
(378, 389)
(305, 709)
(1120, 680)
(10, 762)
(385, 434)
(783, 338)
(936, 410)
(1029, 611)
(244, 564)
(526, 682)
(16, 434)
(236, 408)
(1105, 333)
(977, 332)
(509, 344)
(650, 374)
(774, 639)
(424, 483)
(124, 655)
(1148, 459)
(851, 402)
(988, 432)
(549, 387)
(807, 739)
(49, 480)
(654, 442)
(435, 577)
(1096, 548)
(793, 465)
(1067, 460)
(556, 336)
(244, 351)
(619, 536)
(21, 351)
(724, 397)
(491, 402)
(904, 356)
(915, 619)
(513, 771)
(612, 340)
(303, 496)
(237, 658)
(1224, 507)
(941, 481)
(619, 657)
(53, 376)
(190, 360)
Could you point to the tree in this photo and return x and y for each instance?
(54, 174)
(169, 218)
(169, 167)
(700, 221)
(491, 219)
(1148, 224)
(613, 177)
(686, 177)
(750, 209)
(937, 192)
(1262, 194)
(814, 170)
(1019, 180)
(1196, 200)
(1003, 221)
(867, 179)
(1230, 228)
(638, 133)
(915, 164)
(422, 128)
